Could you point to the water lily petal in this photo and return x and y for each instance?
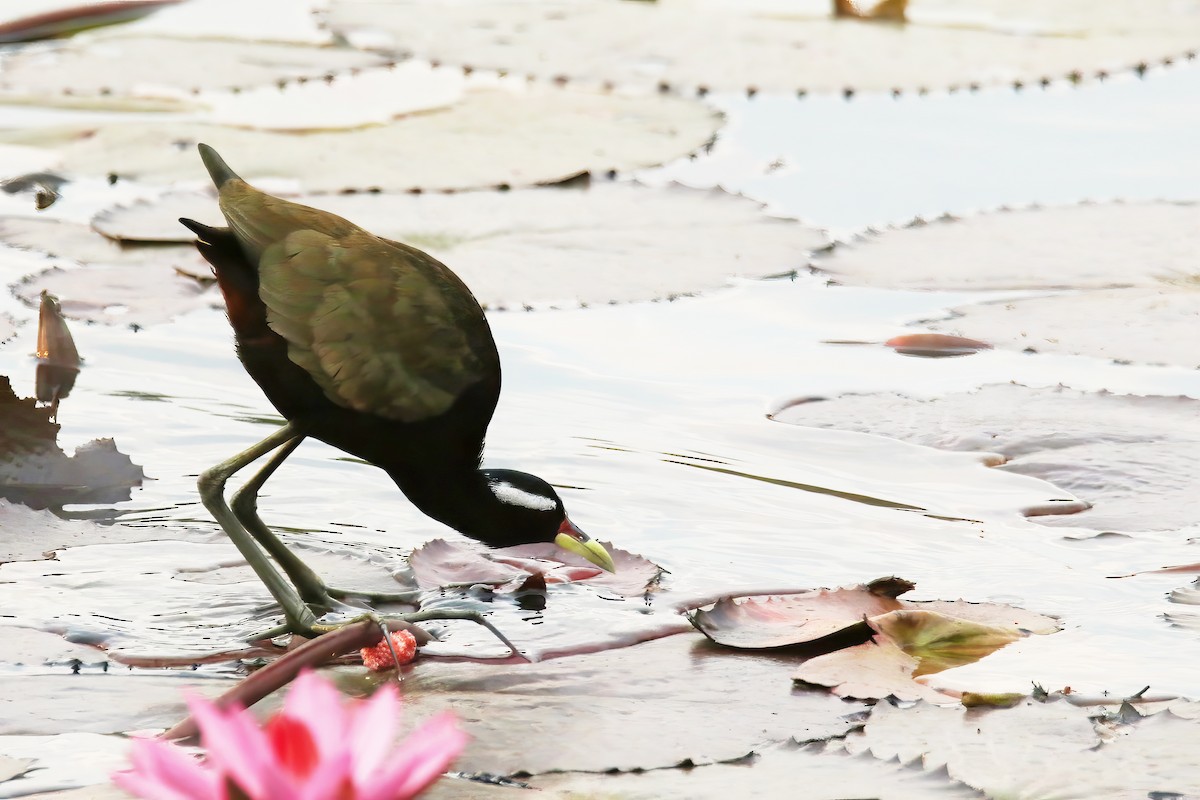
(164, 771)
(332, 780)
(238, 749)
(315, 702)
(150, 787)
(422, 757)
(373, 732)
(292, 742)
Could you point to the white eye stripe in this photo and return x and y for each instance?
(507, 493)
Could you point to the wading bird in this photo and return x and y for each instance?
(375, 348)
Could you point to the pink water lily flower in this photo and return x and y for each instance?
(318, 747)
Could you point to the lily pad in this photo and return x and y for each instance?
(775, 46)
(1188, 596)
(873, 670)
(1061, 752)
(546, 245)
(109, 71)
(76, 242)
(907, 645)
(770, 772)
(1138, 258)
(114, 284)
(439, 563)
(13, 767)
(651, 705)
(513, 136)
(113, 702)
(31, 648)
(123, 294)
(1119, 452)
(787, 620)
(63, 761)
(367, 97)
(34, 471)
(940, 641)
(1144, 326)
(289, 21)
(30, 535)
(1098, 246)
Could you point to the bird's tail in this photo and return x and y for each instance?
(207, 233)
(216, 166)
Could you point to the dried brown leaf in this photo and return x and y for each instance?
(940, 642)
(783, 621)
(875, 669)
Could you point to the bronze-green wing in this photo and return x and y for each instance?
(381, 327)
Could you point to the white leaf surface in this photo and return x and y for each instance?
(782, 46)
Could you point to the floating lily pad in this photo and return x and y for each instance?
(1119, 452)
(34, 471)
(369, 97)
(786, 620)
(873, 670)
(779, 46)
(97, 702)
(113, 70)
(609, 242)
(1144, 326)
(439, 563)
(13, 767)
(1139, 260)
(19, 160)
(1187, 596)
(99, 791)
(1101, 246)
(34, 648)
(1060, 752)
(64, 761)
(31, 535)
(520, 135)
(771, 772)
(75, 242)
(651, 705)
(114, 284)
(940, 641)
(134, 294)
(261, 21)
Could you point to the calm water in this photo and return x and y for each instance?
(652, 416)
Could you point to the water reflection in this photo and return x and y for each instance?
(33, 469)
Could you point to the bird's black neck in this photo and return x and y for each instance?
(469, 503)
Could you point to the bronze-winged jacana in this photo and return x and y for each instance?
(373, 347)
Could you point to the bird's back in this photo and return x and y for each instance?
(335, 323)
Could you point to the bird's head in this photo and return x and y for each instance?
(533, 512)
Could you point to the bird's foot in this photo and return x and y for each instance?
(389, 622)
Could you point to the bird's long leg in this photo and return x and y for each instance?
(310, 586)
(244, 503)
(211, 484)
